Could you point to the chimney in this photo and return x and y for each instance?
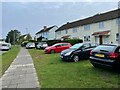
(45, 27)
(67, 22)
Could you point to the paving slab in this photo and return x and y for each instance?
(21, 73)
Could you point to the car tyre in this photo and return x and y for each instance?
(75, 58)
(52, 51)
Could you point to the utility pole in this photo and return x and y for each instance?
(14, 37)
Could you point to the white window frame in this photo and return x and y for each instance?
(66, 31)
(101, 25)
(87, 27)
(86, 38)
(75, 30)
(118, 21)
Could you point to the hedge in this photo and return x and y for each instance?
(51, 42)
(72, 41)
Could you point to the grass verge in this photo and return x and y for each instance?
(8, 57)
(54, 73)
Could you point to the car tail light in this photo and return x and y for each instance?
(91, 52)
(113, 55)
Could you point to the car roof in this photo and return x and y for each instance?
(63, 43)
(109, 45)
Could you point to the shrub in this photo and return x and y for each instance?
(72, 41)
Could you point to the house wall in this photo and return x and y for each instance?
(108, 25)
(51, 33)
(48, 35)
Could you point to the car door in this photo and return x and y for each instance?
(58, 48)
(64, 46)
(85, 51)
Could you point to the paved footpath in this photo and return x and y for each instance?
(21, 73)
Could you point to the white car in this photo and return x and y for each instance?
(5, 46)
(30, 45)
(42, 45)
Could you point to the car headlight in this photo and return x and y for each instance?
(68, 53)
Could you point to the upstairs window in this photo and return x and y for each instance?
(101, 25)
(66, 31)
(86, 27)
(118, 21)
(75, 30)
(59, 32)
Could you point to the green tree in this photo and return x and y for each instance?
(13, 37)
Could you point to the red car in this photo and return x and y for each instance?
(57, 48)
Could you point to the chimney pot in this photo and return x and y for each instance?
(45, 27)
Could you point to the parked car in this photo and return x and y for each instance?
(107, 56)
(5, 46)
(57, 48)
(30, 45)
(41, 45)
(77, 52)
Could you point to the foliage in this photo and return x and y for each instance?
(39, 39)
(72, 41)
(13, 36)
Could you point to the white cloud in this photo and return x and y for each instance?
(24, 1)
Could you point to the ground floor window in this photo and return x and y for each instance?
(86, 38)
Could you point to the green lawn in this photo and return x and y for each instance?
(8, 57)
(54, 73)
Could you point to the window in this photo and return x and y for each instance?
(66, 31)
(74, 30)
(59, 32)
(86, 27)
(118, 21)
(117, 36)
(101, 25)
(86, 38)
(64, 44)
(85, 46)
(94, 44)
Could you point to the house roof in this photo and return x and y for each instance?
(94, 19)
(45, 30)
(23, 35)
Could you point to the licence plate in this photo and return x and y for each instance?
(100, 55)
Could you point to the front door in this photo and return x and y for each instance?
(100, 40)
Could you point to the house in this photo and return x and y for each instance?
(47, 33)
(101, 28)
(25, 37)
(2, 40)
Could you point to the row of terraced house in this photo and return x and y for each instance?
(101, 28)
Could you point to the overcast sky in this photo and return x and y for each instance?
(30, 17)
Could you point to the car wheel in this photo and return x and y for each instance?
(52, 51)
(75, 58)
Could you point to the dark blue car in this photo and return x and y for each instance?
(78, 52)
(106, 56)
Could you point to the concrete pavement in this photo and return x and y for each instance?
(21, 73)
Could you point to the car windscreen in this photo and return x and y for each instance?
(76, 46)
(56, 44)
(105, 48)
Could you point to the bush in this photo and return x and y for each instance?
(72, 41)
